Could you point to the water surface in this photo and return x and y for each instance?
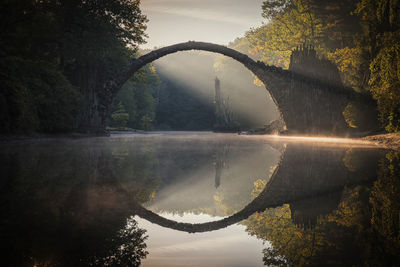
(198, 199)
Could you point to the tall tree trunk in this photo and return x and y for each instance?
(97, 98)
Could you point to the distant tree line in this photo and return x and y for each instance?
(178, 109)
(153, 101)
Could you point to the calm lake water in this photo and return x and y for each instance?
(198, 199)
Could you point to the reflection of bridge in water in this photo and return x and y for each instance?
(305, 176)
(70, 201)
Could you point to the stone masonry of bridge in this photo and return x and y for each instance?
(308, 102)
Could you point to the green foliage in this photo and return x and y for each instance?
(56, 58)
(385, 81)
(37, 97)
(146, 122)
(361, 38)
(271, 8)
(138, 97)
(327, 25)
(178, 109)
(291, 23)
(120, 117)
(351, 64)
(381, 35)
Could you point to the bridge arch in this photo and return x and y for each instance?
(306, 104)
(257, 68)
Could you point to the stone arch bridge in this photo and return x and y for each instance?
(307, 103)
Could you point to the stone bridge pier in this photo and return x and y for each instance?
(309, 96)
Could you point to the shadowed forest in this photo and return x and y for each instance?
(58, 59)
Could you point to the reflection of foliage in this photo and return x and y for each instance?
(352, 211)
(289, 243)
(351, 116)
(227, 202)
(128, 247)
(260, 184)
(358, 233)
(65, 208)
(361, 162)
(352, 161)
(385, 202)
(134, 168)
(272, 258)
(230, 201)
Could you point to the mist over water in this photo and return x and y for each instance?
(200, 198)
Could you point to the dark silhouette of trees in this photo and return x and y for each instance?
(57, 56)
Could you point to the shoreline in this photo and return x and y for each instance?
(38, 136)
(387, 140)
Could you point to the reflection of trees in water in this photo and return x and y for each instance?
(385, 203)
(299, 178)
(187, 167)
(134, 168)
(305, 213)
(220, 161)
(362, 229)
(83, 195)
(126, 248)
(64, 208)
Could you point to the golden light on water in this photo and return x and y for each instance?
(321, 139)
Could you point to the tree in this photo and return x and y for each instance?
(58, 59)
(381, 36)
(139, 96)
(291, 23)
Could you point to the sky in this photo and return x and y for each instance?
(231, 246)
(216, 21)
